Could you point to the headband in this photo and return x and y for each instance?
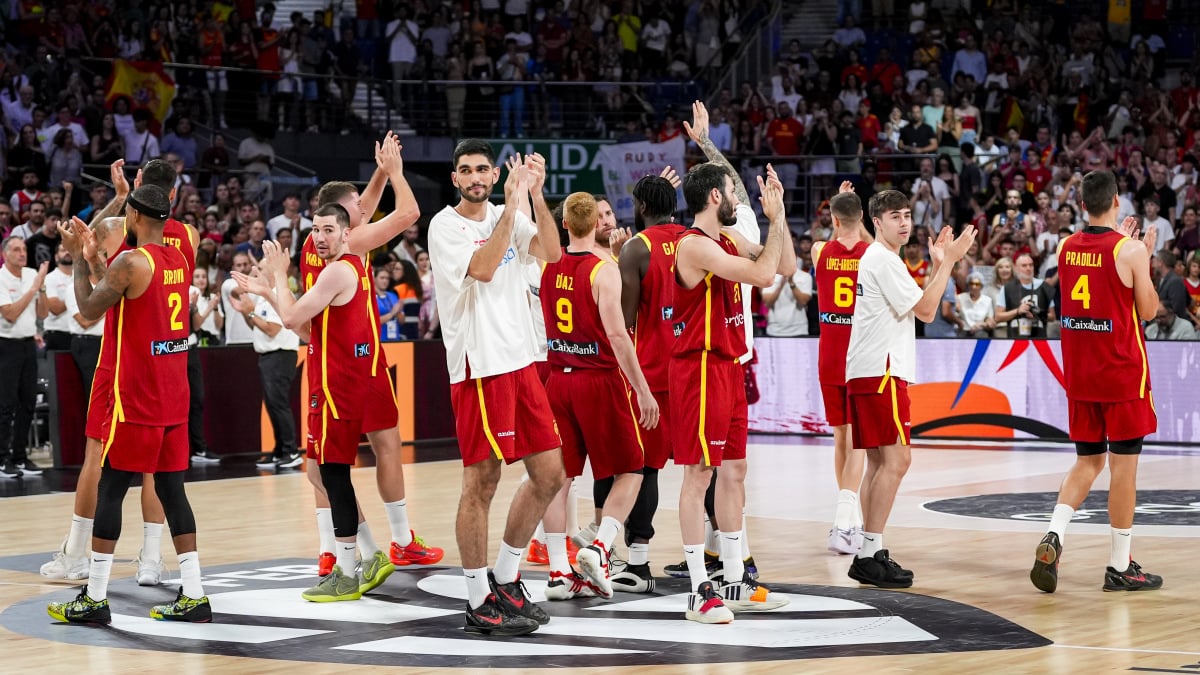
(142, 208)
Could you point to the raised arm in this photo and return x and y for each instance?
(635, 260)
(121, 185)
(371, 194)
(698, 131)
(369, 236)
(704, 255)
(545, 245)
(486, 259)
(945, 252)
(607, 289)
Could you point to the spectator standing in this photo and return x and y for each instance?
(60, 284)
(207, 324)
(1166, 233)
(236, 332)
(1030, 300)
(510, 68)
(257, 157)
(427, 319)
(43, 243)
(783, 136)
(1171, 288)
(63, 121)
(408, 248)
(933, 195)
(276, 348)
(388, 304)
(787, 302)
(291, 217)
(141, 144)
(402, 36)
(108, 145)
(22, 303)
(976, 309)
(66, 159)
(181, 142)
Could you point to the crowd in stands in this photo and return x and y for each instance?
(989, 117)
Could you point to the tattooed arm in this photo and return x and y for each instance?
(698, 131)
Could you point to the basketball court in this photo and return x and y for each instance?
(966, 521)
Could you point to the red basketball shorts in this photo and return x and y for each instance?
(141, 448)
(879, 411)
(505, 417)
(596, 419)
(837, 403)
(656, 442)
(100, 403)
(381, 412)
(708, 410)
(1095, 421)
(331, 440)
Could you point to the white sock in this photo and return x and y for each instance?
(98, 573)
(1119, 557)
(872, 542)
(151, 542)
(639, 554)
(556, 548)
(1059, 519)
(79, 541)
(607, 533)
(345, 551)
(325, 530)
(366, 543)
(858, 517)
(397, 515)
(843, 518)
(694, 555)
(712, 537)
(189, 573)
(508, 563)
(477, 586)
(731, 556)
(540, 533)
(745, 537)
(572, 508)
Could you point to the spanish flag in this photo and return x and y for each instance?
(144, 83)
(1011, 116)
(1080, 115)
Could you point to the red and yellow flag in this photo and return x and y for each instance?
(144, 83)
(1011, 116)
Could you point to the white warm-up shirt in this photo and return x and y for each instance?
(747, 226)
(60, 285)
(489, 324)
(12, 287)
(263, 343)
(236, 331)
(884, 331)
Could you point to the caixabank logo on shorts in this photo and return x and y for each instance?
(416, 619)
(1154, 507)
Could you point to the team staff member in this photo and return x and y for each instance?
(146, 431)
(22, 303)
(276, 348)
(1105, 276)
(881, 361)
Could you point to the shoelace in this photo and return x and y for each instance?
(419, 541)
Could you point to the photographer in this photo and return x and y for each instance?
(1030, 300)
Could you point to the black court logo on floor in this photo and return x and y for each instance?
(416, 619)
(1154, 507)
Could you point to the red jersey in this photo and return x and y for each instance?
(708, 317)
(837, 284)
(575, 335)
(1193, 291)
(343, 347)
(654, 333)
(919, 272)
(175, 234)
(1104, 353)
(311, 266)
(145, 340)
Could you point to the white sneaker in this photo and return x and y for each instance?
(632, 578)
(586, 536)
(593, 563)
(563, 587)
(705, 606)
(844, 542)
(63, 567)
(747, 596)
(150, 573)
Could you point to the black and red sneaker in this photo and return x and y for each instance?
(1132, 579)
(514, 599)
(1044, 574)
(490, 619)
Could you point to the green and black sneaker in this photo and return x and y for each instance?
(81, 610)
(184, 608)
(375, 570)
(334, 587)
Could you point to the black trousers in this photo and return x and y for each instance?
(85, 350)
(18, 395)
(277, 369)
(57, 340)
(196, 403)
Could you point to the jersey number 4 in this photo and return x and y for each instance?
(1081, 293)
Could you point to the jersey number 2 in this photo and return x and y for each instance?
(175, 302)
(1081, 293)
(562, 309)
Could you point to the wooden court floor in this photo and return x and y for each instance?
(971, 558)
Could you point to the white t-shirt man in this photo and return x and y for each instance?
(263, 343)
(747, 226)
(11, 289)
(236, 330)
(533, 274)
(1166, 233)
(59, 285)
(402, 49)
(486, 323)
(281, 221)
(884, 329)
(787, 318)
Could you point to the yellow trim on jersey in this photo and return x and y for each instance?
(896, 414)
(704, 405)
(1142, 351)
(149, 258)
(366, 284)
(592, 276)
(629, 399)
(815, 252)
(1117, 248)
(325, 362)
(118, 412)
(708, 312)
(483, 416)
(732, 241)
(646, 240)
(1062, 242)
(324, 432)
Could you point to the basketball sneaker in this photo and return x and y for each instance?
(375, 570)
(334, 587)
(205, 457)
(416, 553)
(751, 568)
(537, 553)
(712, 564)
(880, 570)
(325, 564)
(748, 596)
(593, 563)
(491, 619)
(290, 460)
(1044, 574)
(633, 579)
(28, 468)
(81, 610)
(585, 537)
(149, 572)
(705, 606)
(569, 587)
(265, 461)
(187, 609)
(1132, 579)
(514, 598)
(63, 567)
(843, 542)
